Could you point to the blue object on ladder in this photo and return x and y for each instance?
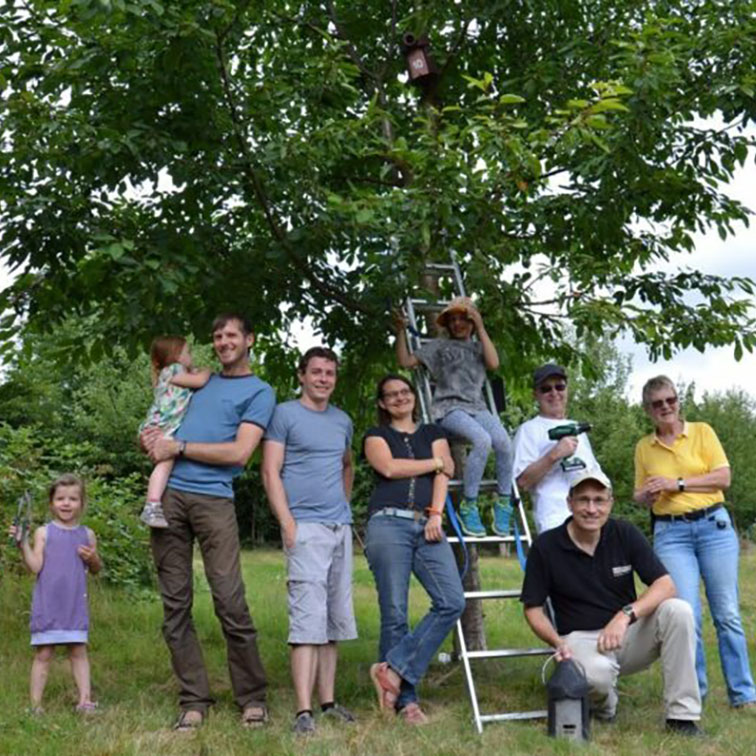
(454, 522)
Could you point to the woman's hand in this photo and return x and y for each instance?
(659, 484)
(433, 529)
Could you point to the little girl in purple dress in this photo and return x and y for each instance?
(62, 553)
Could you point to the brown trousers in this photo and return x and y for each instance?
(212, 521)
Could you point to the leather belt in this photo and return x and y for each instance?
(696, 514)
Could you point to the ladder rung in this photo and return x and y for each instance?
(423, 305)
(537, 714)
(472, 541)
(506, 653)
(511, 593)
(433, 267)
(485, 485)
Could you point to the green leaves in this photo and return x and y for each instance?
(165, 160)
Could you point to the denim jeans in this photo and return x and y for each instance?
(395, 548)
(483, 430)
(708, 548)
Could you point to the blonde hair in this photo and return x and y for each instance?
(164, 351)
(69, 479)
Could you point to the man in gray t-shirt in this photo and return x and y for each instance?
(307, 472)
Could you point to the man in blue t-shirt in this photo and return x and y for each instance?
(307, 472)
(223, 426)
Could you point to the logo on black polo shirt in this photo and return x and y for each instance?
(622, 569)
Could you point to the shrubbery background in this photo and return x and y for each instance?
(60, 415)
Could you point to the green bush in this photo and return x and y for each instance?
(30, 460)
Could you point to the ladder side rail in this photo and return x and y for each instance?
(464, 655)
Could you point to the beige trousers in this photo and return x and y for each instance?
(668, 634)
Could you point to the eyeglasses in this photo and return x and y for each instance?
(560, 387)
(597, 501)
(670, 401)
(400, 394)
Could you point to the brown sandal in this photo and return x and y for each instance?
(254, 716)
(185, 723)
(387, 691)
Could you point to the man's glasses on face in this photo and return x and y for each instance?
(584, 501)
(389, 396)
(559, 387)
(669, 401)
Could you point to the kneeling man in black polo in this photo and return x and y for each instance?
(586, 567)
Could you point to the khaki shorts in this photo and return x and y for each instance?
(319, 571)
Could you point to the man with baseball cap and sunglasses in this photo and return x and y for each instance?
(543, 467)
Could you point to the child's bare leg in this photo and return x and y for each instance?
(159, 480)
(40, 668)
(80, 669)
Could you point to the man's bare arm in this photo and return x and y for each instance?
(273, 459)
(231, 453)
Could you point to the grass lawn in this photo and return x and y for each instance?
(133, 682)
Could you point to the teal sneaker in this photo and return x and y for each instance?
(469, 518)
(502, 517)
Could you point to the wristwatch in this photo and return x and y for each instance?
(181, 449)
(628, 611)
(680, 484)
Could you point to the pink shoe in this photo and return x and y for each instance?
(412, 714)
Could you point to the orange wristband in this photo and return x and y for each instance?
(430, 511)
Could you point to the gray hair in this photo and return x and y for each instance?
(654, 384)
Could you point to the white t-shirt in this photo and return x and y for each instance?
(549, 495)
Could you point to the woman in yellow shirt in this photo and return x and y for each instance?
(681, 472)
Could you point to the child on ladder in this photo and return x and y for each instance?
(458, 366)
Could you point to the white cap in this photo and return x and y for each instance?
(592, 474)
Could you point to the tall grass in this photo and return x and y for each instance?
(136, 690)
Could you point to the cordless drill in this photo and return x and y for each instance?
(569, 429)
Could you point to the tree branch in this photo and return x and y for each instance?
(262, 199)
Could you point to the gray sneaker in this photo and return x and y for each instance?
(152, 515)
(339, 713)
(304, 724)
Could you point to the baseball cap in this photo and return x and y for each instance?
(595, 474)
(548, 370)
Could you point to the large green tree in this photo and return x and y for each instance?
(163, 160)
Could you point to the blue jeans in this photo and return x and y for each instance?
(483, 430)
(395, 548)
(708, 548)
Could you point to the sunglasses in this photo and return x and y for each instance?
(670, 401)
(560, 387)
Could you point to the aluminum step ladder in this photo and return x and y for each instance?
(416, 307)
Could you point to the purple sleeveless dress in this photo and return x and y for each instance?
(59, 604)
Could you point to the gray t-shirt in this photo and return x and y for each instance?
(313, 466)
(459, 372)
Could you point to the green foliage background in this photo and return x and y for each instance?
(61, 416)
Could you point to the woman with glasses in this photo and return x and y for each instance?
(681, 472)
(412, 465)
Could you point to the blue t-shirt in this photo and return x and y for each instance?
(214, 416)
(313, 468)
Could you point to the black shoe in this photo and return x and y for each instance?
(687, 727)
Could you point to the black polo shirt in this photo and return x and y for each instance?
(587, 591)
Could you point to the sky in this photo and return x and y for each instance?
(716, 369)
